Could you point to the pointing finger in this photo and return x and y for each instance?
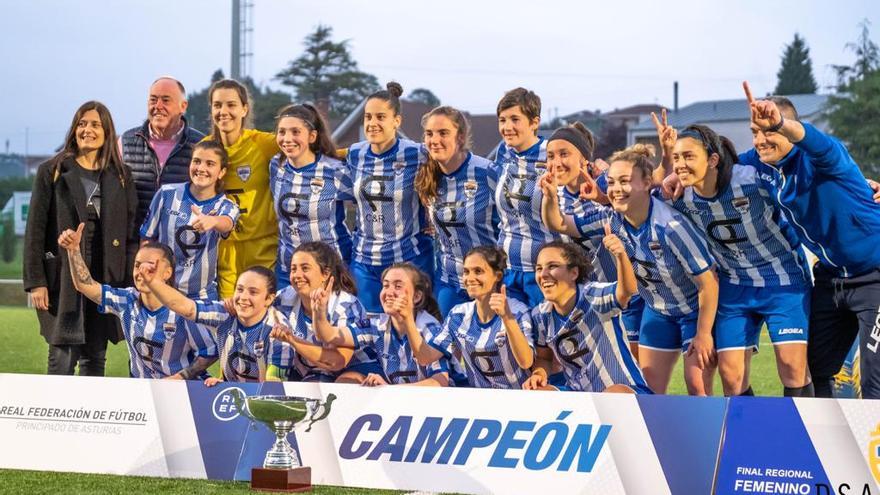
(656, 121)
(665, 120)
(748, 90)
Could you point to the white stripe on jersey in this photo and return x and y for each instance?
(390, 218)
(751, 240)
(245, 352)
(488, 358)
(393, 350)
(160, 343)
(169, 221)
(667, 251)
(592, 353)
(518, 199)
(343, 309)
(464, 214)
(309, 205)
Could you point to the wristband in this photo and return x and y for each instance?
(777, 126)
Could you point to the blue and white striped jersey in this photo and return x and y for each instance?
(518, 199)
(390, 218)
(592, 353)
(309, 205)
(752, 242)
(343, 309)
(245, 352)
(464, 214)
(667, 251)
(393, 350)
(572, 204)
(169, 221)
(487, 356)
(160, 343)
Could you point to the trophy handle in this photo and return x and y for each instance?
(241, 404)
(320, 406)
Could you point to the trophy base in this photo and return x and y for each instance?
(281, 480)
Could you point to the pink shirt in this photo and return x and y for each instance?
(163, 147)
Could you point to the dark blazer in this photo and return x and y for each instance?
(58, 202)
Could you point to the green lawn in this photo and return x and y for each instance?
(39, 482)
(12, 269)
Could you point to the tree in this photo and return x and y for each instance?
(265, 103)
(853, 115)
(425, 96)
(867, 59)
(795, 76)
(327, 75)
(198, 113)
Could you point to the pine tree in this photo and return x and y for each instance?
(327, 75)
(795, 76)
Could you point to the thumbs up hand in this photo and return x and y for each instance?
(613, 243)
(70, 239)
(498, 303)
(202, 222)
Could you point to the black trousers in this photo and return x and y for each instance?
(843, 308)
(91, 356)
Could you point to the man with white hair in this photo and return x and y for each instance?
(159, 151)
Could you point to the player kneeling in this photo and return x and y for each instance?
(161, 344)
(573, 325)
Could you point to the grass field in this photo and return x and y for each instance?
(26, 352)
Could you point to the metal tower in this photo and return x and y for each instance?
(242, 54)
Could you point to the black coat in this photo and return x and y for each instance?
(58, 202)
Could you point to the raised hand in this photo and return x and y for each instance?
(613, 243)
(401, 307)
(498, 303)
(764, 113)
(148, 270)
(589, 189)
(282, 333)
(70, 239)
(321, 298)
(600, 166)
(535, 382)
(671, 187)
(548, 183)
(665, 132)
(202, 222)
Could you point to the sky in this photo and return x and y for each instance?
(577, 55)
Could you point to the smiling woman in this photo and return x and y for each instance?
(86, 183)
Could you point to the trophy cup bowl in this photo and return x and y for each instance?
(282, 469)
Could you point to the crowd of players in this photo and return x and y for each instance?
(544, 268)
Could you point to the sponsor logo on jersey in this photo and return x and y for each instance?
(243, 172)
(470, 189)
(316, 185)
(791, 331)
(741, 204)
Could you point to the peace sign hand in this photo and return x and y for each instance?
(548, 183)
(764, 113)
(665, 132)
(589, 189)
(320, 299)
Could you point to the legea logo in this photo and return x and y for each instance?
(224, 407)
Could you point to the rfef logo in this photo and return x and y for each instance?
(874, 453)
(223, 406)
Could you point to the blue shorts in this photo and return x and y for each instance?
(448, 295)
(742, 310)
(366, 368)
(667, 333)
(522, 286)
(629, 321)
(368, 279)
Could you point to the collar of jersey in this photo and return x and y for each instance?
(572, 195)
(162, 309)
(636, 231)
(480, 323)
(531, 150)
(193, 199)
(298, 170)
(243, 328)
(391, 151)
(558, 317)
(461, 170)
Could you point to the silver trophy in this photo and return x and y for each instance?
(280, 414)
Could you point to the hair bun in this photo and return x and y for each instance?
(646, 150)
(394, 88)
